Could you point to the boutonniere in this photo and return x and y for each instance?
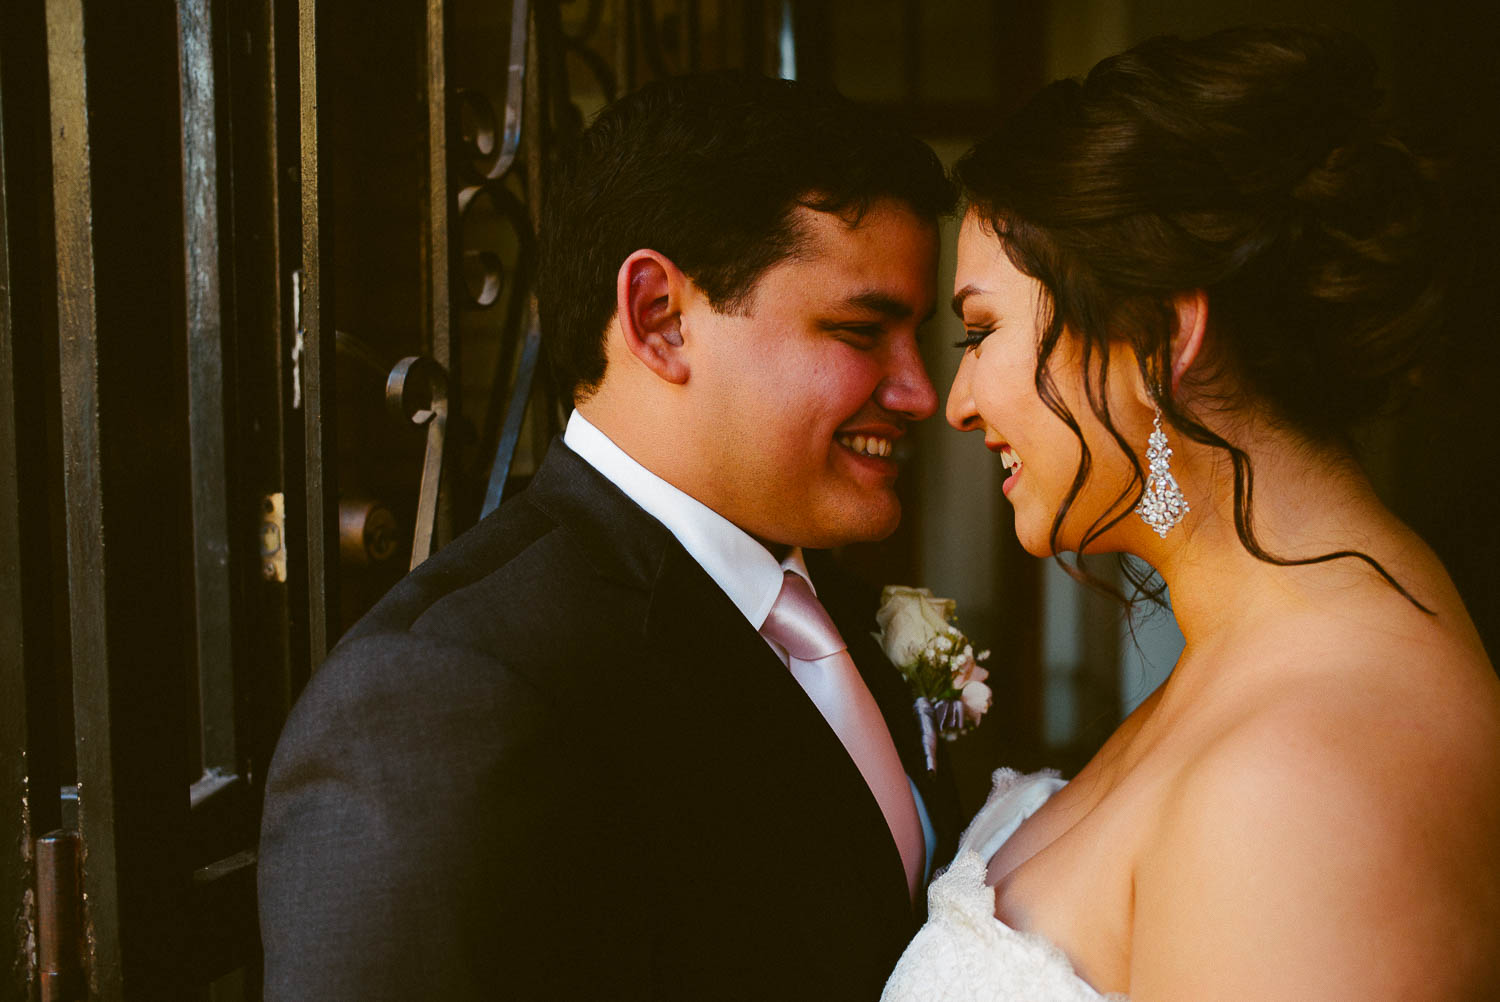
(918, 634)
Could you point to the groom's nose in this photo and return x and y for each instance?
(906, 389)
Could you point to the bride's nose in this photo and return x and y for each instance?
(961, 412)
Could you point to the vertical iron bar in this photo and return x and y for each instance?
(439, 254)
(24, 715)
(262, 135)
(60, 956)
(113, 92)
(208, 389)
(536, 91)
(317, 323)
(15, 867)
(440, 204)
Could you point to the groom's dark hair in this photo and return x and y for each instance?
(708, 170)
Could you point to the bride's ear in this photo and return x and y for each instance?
(1191, 309)
(1190, 325)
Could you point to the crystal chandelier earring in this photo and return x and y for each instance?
(1162, 504)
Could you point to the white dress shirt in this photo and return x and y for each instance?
(742, 567)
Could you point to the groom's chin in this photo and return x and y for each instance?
(870, 521)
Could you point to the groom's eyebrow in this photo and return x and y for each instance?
(883, 303)
(875, 301)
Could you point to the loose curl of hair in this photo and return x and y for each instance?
(1253, 164)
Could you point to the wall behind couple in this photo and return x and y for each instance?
(1068, 663)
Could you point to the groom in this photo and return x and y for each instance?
(608, 744)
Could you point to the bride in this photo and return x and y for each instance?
(1182, 281)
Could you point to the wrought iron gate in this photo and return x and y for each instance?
(266, 340)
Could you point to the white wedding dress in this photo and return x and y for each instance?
(964, 953)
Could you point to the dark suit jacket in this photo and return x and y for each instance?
(556, 762)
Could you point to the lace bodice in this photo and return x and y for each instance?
(965, 953)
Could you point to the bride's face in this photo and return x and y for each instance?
(1003, 310)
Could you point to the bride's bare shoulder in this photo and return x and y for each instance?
(1355, 777)
(1367, 700)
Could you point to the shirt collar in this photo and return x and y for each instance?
(743, 568)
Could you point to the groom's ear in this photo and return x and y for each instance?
(649, 293)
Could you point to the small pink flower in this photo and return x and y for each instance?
(977, 698)
(967, 669)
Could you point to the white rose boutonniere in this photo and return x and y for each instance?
(919, 636)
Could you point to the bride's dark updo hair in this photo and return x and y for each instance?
(1253, 164)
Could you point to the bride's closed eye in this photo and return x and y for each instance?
(972, 337)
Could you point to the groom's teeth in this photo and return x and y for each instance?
(868, 445)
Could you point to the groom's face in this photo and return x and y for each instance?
(809, 389)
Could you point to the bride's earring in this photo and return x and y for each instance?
(1162, 504)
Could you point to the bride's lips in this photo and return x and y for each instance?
(1012, 462)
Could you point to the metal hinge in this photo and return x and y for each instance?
(299, 341)
(273, 537)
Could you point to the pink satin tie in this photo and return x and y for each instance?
(820, 661)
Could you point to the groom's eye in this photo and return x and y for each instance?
(860, 335)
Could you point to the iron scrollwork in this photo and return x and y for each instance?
(609, 46)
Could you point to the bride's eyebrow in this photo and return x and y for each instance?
(982, 314)
(960, 296)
